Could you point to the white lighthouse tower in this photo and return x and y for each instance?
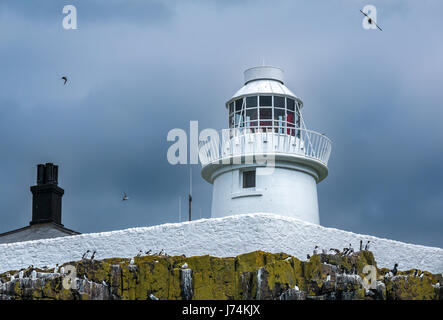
(267, 161)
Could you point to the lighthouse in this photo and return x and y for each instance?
(266, 160)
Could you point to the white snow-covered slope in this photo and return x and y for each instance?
(222, 237)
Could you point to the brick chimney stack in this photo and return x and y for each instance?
(47, 196)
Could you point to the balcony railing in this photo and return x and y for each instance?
(253, 141)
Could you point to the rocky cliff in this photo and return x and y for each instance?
(255, 275)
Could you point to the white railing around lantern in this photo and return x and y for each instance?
(251, 141)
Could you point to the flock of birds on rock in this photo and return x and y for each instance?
(346, 251)
(139, 254)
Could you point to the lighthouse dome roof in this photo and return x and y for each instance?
(264, 80)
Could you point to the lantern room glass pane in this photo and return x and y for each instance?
(290, 104)
(238, 118)
(231, 107)
(265, 101)
(238, 104)
(290, 119)
(251, 102)
(252, 114)
(265, 117)
(279, 102)
(280, 118)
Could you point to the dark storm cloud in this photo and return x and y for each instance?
(140, 68)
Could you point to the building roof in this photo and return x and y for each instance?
(264, 80)
(36, 232)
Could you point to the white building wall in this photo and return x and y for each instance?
(222, 237)
(284, 191)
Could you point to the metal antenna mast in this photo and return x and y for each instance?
(179, 209)
(190, 190)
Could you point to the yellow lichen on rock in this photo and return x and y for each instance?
(254, 275)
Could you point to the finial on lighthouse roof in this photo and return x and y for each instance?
(264, 73)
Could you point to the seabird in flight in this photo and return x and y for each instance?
(65, 79)
(125, 197)
(370, 21)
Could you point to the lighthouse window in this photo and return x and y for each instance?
(231, 107)
(265, 101)
(279, 102)
(249, 179)
(291, 104)
(251, 102)
(290, 118)
(251, 115)
(238, 120)
(265, 113)
(238, 104)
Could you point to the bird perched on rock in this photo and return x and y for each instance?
(65, 79)
(335, 250)
(394, 271)
(354, 269)
(315, 250)
(85, 254)
(184, 266)
(148, 252)
(328, 277)
(361, 245)
(93, 255)
(367, 246)
(152, 297)
(350, 249)
(139, 253)
(308, 256)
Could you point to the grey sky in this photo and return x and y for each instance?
(137, 69)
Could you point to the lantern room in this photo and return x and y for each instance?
(265, 104)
